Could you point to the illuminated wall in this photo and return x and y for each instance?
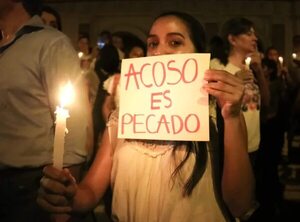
(276, 21)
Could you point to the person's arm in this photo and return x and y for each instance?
(59, 192)
(238, 178)
(97, 180)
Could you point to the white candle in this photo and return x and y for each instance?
(80, 54)
(280, 59)
(248, 61)
(294, 55)
(59, 139)
(66, 97)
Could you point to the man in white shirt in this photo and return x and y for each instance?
(35, 61)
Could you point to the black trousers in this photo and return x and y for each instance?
(18, 192)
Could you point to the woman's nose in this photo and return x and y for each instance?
(156, 52)
(162, 50)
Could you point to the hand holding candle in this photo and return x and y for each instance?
(66, 97)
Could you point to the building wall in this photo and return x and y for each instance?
(276, 21)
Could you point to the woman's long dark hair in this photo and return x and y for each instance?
(108, 62)
(196, 30)
(197, 36)
(33, 7)
(234, 27)
(200, 151)
(53, 12)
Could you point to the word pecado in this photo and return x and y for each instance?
(173, 124)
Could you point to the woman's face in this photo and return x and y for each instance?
(273, 55)
(169, 35)
(117, 42)
(83, 45)
(136, 52)
(246, 42)
(49, 19)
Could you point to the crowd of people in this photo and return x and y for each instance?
(254, 107)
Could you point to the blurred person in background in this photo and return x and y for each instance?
(83, 44)
(106, 66)
(269, 187)
(285, 100)
(294, 70)
(35, 62)
(239, 43)
(105, 38)
(134, 48)
(51, 17)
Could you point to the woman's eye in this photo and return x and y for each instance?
(152, 44)
(250, 33)
(175, 43)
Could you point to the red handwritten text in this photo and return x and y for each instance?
(155, 124)
(160, 73)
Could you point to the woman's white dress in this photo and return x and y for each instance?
(144, 191)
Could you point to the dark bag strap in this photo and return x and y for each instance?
(25, 30)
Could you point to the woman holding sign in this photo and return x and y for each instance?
(166, 180)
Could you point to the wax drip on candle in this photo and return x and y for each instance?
(66, 97)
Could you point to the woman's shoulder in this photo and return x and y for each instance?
(215, 63)
(109, 83)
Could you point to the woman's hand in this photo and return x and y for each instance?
(245, 75)
(228, 90)
(58, 187)
(256, 58)
(255, 64)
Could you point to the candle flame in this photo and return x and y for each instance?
(248, 61)
(80, 54)
(67, 95)
(294, 55)
(280, 59)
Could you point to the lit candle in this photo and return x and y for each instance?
(248, 61)
(80, 54)
(294, 55)
(280, 59)
(66, 97)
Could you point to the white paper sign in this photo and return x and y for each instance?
(161, 98)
